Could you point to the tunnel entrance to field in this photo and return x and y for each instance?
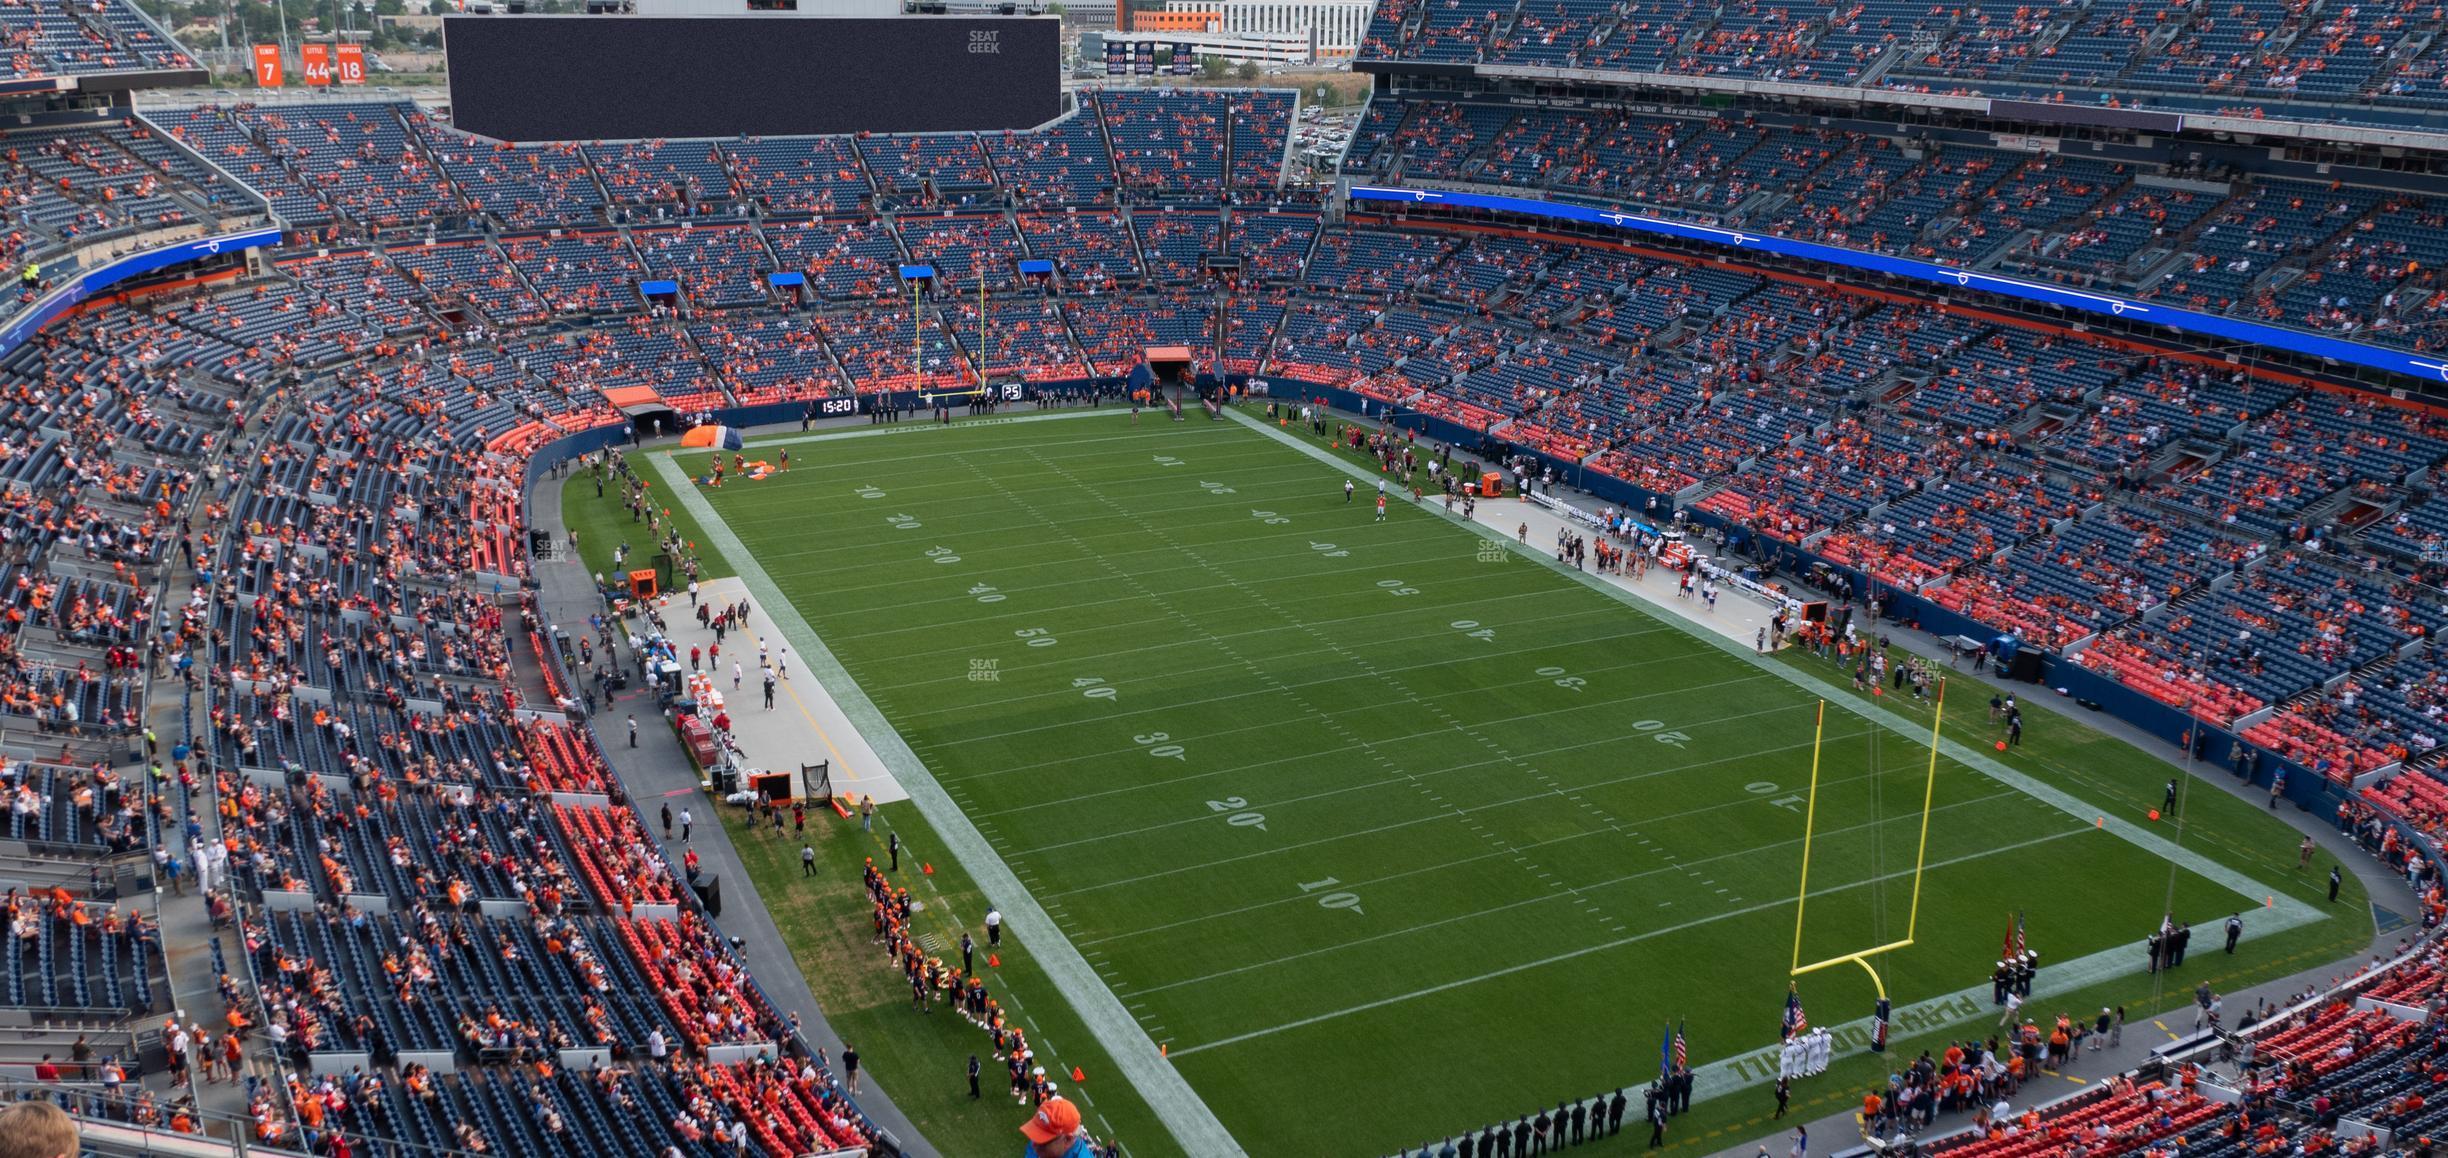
(1170, 365)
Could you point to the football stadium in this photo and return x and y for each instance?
(1419, 579)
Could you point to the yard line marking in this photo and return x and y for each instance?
(1166, 603)
(1184, 1114)
(1532, 593)
(930, 427)
(1963, 754)
(1744, 853)
(1277, 686)
(1357, 745)
(1558, 958)
(1378, 552)
(1520, 624)
(1485, 806)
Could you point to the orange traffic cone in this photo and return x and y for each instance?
(926, 870)
(1077, 1076)
(994, 961)
(1163, 1050)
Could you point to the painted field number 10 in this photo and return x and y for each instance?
(1332, 900)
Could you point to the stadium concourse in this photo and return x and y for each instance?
(267, 521)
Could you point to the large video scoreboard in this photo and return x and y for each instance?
(588, 78)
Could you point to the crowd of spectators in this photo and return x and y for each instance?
(2257, 58)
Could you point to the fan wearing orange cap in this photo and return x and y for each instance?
(1054, 1132)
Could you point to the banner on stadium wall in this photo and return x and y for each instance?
(314, 64)
(2433, 368)
(267, 66)
(93, 281)
(350, 64)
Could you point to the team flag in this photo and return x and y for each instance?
(1795, 1022)
(1665, 1046)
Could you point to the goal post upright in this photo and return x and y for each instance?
(1929, 794)
(1810, 819)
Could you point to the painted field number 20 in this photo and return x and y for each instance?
(1657, 731)
(1241, 816)
(1332, 900)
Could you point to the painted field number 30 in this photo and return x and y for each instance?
(1155, 744)
(1570, 682)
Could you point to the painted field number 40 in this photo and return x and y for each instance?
(1332, 900)
(1097, 688)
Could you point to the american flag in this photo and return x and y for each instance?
(1682, 1056)
(1795, 1022)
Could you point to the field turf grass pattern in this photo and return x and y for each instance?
(1386, 831)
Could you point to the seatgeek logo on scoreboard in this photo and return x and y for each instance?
(985, 43)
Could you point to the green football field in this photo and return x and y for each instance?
(1386, 830)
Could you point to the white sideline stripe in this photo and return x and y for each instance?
(1193, 1125)
(1601, 947)
(2066, 802)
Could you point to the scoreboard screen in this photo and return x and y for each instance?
(610, 78)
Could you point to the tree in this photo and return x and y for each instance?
(1213, 67)
(1247, 71)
